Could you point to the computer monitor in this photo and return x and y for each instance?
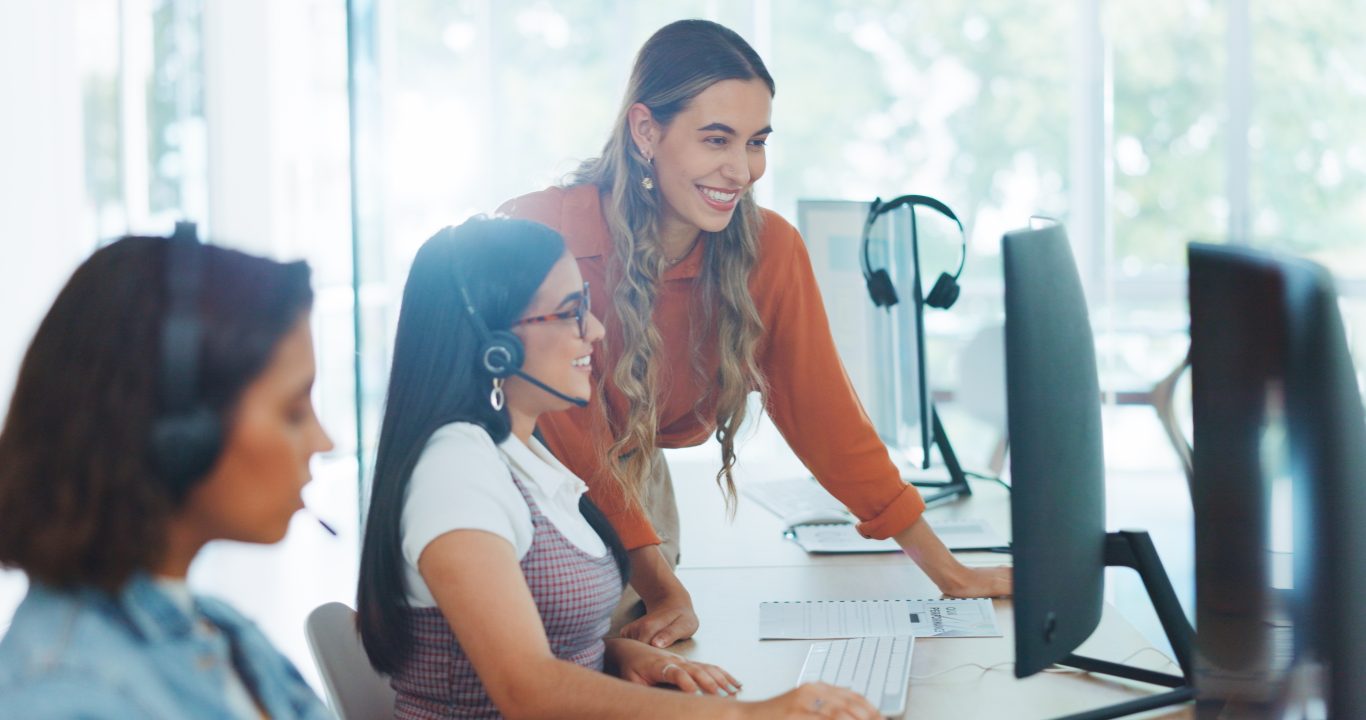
(1279, 488)
(830, 229)
(1057, 468)
(880, 349)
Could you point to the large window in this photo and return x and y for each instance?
(233, 115)
(1306, 139)
(145, 141)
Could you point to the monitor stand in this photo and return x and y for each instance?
(1134, 549)
(957, 484)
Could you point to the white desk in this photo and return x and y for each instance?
(731, 567)
(755, 538)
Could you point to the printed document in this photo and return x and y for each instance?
(819, 619)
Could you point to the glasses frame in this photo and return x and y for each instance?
(579, 314)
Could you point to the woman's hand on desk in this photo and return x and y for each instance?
(951, 576)
(981, 582)
(813, 700)
(639, 663)
(664, 623)
(669, 615)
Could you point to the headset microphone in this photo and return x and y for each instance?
(576, 400)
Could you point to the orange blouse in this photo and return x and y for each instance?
(810, 398)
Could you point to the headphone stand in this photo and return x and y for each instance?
(957, 484)
(943, 294)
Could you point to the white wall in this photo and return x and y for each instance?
(43, 235)
(238, 112)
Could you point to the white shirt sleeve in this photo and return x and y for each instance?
(462, 483)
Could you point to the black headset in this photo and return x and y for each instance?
(501, 353)
(880, 288)
(187, 435)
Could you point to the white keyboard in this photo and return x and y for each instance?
(878, 668)
(794, 497)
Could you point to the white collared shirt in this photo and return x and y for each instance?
(463, 481)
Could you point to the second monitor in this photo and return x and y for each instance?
(1060, 543)
(1279, 489)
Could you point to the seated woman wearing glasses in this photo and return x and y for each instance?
(487, 577)
(131, 443)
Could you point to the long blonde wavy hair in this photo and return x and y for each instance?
(676, 64)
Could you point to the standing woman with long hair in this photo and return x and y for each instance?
(706, 298)
(487, 577)
(163, 403)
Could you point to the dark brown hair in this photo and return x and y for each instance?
(80, 501)
(437, 378)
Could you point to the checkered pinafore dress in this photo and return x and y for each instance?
(575, 594)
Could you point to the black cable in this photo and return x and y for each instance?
(989, 478)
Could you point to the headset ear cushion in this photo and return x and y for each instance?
(944, 293)
(503, 354)
(881, 289)
(185, 448)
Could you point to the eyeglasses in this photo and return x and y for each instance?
(579, 314)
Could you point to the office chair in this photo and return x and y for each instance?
(981, 389)
(1171, 400)
(354, 689)
(981, 393)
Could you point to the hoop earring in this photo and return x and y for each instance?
(496, 397)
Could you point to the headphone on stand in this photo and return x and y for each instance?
(501, 353)
(880, 287)
(187, 434)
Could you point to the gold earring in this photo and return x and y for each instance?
(648, 182)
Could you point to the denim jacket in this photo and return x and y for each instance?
(86, 654)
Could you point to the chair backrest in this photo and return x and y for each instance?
(354, 689)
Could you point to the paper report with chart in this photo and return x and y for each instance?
(817, 619)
